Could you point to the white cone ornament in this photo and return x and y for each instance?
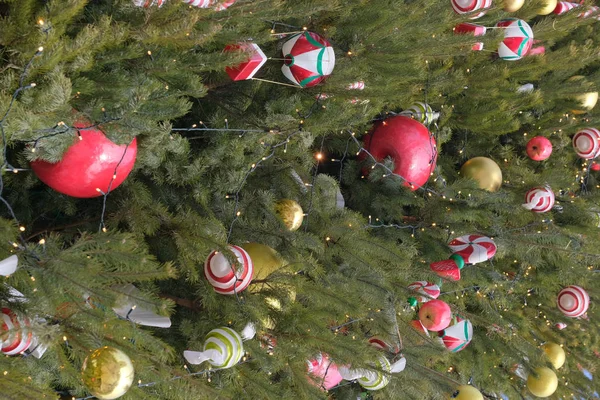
(426, 291)
(223, 347)
(471, 6)
(422, 112)
(229, 278)
(16, 331)
(309, 59)
(587, 143)
(129, 309)
(539, 199)
(217, 4)
(573, 301)
(473, 248)
(458, 335)
(9, 265)
(518, 39)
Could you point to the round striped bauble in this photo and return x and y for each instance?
(427, 290)
(468, 6)
(539, 199)
(227, 278)
(228, 343)
(19, 334)
(587, 143)
(422, 112)
(376, 379)
(573, 301)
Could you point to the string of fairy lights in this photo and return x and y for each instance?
(270, 151)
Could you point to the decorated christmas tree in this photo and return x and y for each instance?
(303, 199)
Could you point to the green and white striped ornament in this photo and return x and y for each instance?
(421, 112)
(377, 379)
(223, 347)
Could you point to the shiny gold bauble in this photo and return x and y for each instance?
(483, 170)
(290, 213)
(548, 7)
(513, 5)
(587, 101)
(107, 373)
(542, 382)
(265, 259)
(555, 354)
(468, 392)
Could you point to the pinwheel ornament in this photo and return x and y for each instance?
(468, 249)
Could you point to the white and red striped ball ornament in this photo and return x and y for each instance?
(473, 248)
(573, 301)
(539, 199)
(426, 290)
(218, 5)
(227, 278)
(518, 39)
(587, 143)
(469, 6)
(19, 336)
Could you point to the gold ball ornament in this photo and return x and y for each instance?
(513, 5)
(468, 392)
(107, 373)
(542, 382)
(547, 7)
(265, 259)
(290, 213)
(587, 101)
(555, 354)
(483, 170)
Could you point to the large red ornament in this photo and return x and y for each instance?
(409, 144)
(88, 165)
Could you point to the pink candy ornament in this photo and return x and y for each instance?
(539, 199)
(573, 301)
(323, 372)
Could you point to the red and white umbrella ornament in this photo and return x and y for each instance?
(468, 249)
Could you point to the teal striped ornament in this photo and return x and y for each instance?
(227, 342)
(377, 379)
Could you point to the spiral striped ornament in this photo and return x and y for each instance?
(539, 199)
(376, 379)
(587, 143)
(469, 6)
(427, 290)
(226, 278)
(421, 112)
(228, 343)
(358, 85)
(218, 5)
(564, 6)
(149, 3)
(573, 301)
(19, 334)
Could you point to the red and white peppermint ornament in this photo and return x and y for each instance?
(573, 301)
(19, 333)
(560, 326)
(229, 278)
(428, 290)
(473, 248)
(564, 6)
(587, 143)
(359, 85)
(539, 199)
(218, 5)
(468, 6)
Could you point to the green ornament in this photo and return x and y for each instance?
(460, 262)
(412, 301)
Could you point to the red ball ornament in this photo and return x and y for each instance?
(539, 148)
(88, 165)
(435, 315)
(409, 144)
(595, 166)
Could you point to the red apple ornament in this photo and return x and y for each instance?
(88, 165)
(435, 315)
(539, 148)
(409, 144)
